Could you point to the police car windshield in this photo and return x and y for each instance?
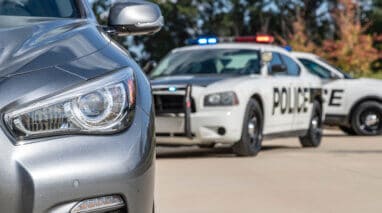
(40, 8)
(346, 75)
(210, 62)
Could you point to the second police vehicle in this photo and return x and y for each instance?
(355, 105)
(235, 91)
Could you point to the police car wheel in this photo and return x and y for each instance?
(314, 135)
(367, 119)
(252, 132)
(347, 130)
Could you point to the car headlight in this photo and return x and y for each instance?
(102, 106)
(221, 99)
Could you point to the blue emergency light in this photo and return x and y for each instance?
(288, 48)
(205, 40)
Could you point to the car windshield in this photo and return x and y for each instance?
(316, 69)
(40, 8)
(346, 75)
(209, 62)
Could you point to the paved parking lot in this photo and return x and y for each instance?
(343, 175)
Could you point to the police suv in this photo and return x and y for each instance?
(355, 105)
(235, 93)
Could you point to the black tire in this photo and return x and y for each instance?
(360, 119)
(314, 135)
(252, 131)
(347, 130)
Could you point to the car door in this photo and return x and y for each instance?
(301, 103)
(334, 86)
(279, 117)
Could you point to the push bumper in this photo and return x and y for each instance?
(220, 125)
(56, 174)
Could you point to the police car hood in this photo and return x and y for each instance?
(29, 44)
(366, 83)
(197, 80)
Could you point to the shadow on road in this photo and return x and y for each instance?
(333, 135)
(219, 152)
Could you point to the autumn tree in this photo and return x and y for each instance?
(298, 38)
(353, 50)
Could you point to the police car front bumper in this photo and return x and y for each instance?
(215, 125)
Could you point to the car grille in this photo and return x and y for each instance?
(171, 104)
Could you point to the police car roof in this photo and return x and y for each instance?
(304, 54)
(253, 46)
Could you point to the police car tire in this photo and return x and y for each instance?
(347, 130)
(314, 136)
(355, 119)
(247, 146)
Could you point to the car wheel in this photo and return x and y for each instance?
(347, 130)
(367, 119)
(252, 132)
(314, 135)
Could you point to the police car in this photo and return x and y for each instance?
(235, 91)
(355, 105)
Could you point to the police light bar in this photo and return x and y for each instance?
(205, 40)
(265, 39)
(209, 40)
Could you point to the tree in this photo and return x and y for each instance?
(353, 50)
(298, 39)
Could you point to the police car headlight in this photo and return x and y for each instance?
(221, 99)
(102, 106)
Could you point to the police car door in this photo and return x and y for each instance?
(334, 86)
(280, 118)
(300, 104)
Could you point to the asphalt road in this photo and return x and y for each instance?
(343, 175)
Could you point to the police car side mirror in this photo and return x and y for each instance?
(278, 69)
(135, 17)
(334, 76)
(149, 67)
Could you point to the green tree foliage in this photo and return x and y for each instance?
(305, 24)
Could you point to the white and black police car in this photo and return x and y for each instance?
(355, 105)
(235, 91)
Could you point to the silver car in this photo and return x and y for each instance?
(76, 110)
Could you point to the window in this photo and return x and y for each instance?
(210, 62)
(292, 66)
(40, 8)
(316, 69)
(345, 75)
(276, 60)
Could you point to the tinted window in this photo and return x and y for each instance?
(276, 59)
(40, 8)
(346, 75)
(292, 66)
(210, 61)
(316, 69)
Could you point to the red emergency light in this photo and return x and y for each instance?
(266, 39)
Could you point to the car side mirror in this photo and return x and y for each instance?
(135, 17)
(278, 69)
(334, 76)
(149, 67)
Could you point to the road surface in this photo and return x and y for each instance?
(343, 175)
